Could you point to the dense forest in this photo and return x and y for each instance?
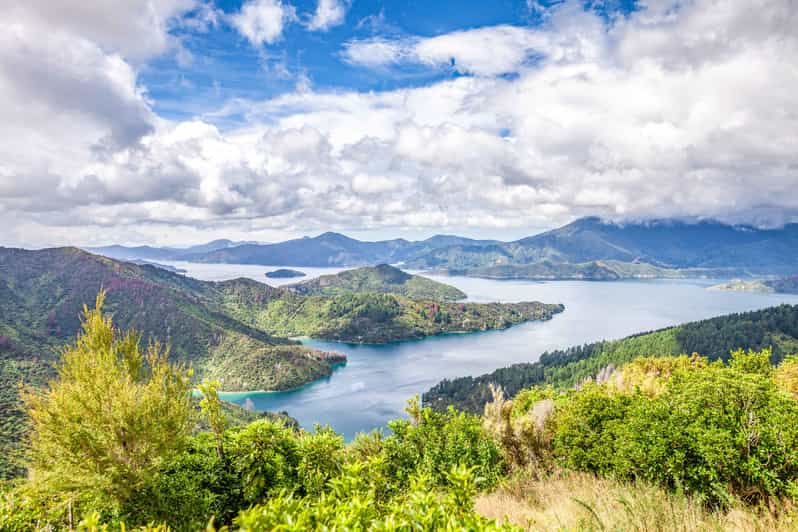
(715, 338)
(115, 445)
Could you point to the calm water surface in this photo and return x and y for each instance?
(377, 380)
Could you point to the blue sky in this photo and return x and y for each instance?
(225, 65)
(180, 121)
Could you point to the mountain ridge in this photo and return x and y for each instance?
(707, 245)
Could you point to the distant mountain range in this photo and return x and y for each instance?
(150, 253)
(662, 248)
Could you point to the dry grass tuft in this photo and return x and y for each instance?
(579, 501)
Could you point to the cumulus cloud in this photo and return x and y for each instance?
(137, 29)
(329, 13)
(262, 21)
(678, 109)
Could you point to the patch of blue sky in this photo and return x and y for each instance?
(221, 65)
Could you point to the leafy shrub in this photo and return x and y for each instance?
(714, 433)
(105, 426)
(320, 459)
(265, 455)
(786, 376)
(352, 505)
(431, 443)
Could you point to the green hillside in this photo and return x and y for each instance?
(380, 279)
(370, 317)
(234, 331)
(715, 338)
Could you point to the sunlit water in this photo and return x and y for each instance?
(377, 380)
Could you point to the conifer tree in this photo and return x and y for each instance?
(113, 414)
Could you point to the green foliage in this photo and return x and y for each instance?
(715, 338)
(715, 432)
(432, 442)
(379, 279)
(757, 362)
(211, 407)
(265, 455)
(786, 375)
(352, 504)
(188, 489)
(102, 429)
(321, 456)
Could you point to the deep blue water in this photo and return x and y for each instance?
(377, 380)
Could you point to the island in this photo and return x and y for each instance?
(284, 273)
(383, 278)
(788, 285)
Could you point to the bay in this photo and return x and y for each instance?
(377, 380)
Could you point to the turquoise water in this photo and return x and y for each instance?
(377, 380)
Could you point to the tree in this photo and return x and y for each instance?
(211, 406)
(110, 418)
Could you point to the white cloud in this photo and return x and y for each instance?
(329, 13)
(571, 34)
(136, 29)
(669, 112)
(262, 21)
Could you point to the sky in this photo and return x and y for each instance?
(175, 122)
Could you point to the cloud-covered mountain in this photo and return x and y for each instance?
(662, 243)
(646, 249)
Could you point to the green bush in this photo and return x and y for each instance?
(714, 432)
(189, 489)
(321, 456)
(351, 504)
(431, 443)
(265, 455)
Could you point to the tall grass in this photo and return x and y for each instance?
(583, 502)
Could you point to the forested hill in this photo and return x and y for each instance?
(775, 327)
(42, 294)
(382, 278)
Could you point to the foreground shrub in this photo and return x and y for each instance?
(715, 433)
(265, 455)
(107, 423)
(431, 443)
(351, 504)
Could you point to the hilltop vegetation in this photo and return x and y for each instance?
(715, 338)
(660, 443)
(600, 270)
(382, 278)
(374, 317)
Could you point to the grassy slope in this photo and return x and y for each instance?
(581, 501)
(379, 279)
(714, 338)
